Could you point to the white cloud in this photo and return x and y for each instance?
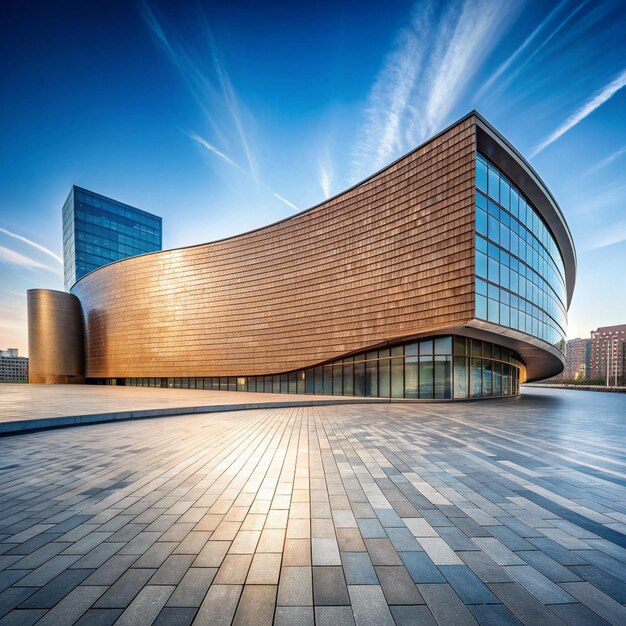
(505, 66)
(34, 244)
(597, 100)
(604, 162)
(212, 90)
(289, 204)
(511, 77)
(424, 75)
(211, 148)
(610, 236)
(15, 258)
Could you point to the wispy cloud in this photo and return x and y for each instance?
(513, 75)
(597, 100)
(210, 85)
(289, 204)
(15, 258)
(615, 234)
(325, 171)
(34, 244)
(325, 181)
(211, 148)
(518, 52)
(424, 75)
(604, 162)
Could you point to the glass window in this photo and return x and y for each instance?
(487, 379)
(443, 345)
(426, 347)
(426, 371)
(481, 264)
(359, 378)
(494, 271)
(337, 380)
(494, 229)
(348, 382)
(493, 311)
(481, 175)
(459, 346)
(410, 377)
(481, 201)
(494, 185)
(301, 382)
(481, 222)
(397, 378)
(384, 383)
(476, 346)
(476, 378)
(319, 380)
(497, 378)
(328, 380)
(411, 349)
(505, 192)
(371, 379)
(460, 376)
(443, 376)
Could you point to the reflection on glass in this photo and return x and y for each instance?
(396, 372)
(426, 372)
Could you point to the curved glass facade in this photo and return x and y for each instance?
(520, 276)
(440, 368)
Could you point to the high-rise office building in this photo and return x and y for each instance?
(608, 354)
(98, 230)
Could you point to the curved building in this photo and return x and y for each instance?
(447, 274)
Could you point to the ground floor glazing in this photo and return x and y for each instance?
(442, 368)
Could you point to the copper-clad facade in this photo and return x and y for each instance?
(389, 260)
(55, 337)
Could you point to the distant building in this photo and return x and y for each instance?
(98, 230)
(13, 368)
(608, 354)
(577, 359)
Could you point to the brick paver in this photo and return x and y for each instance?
(492, 512)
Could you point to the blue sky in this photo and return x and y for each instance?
(221, 117)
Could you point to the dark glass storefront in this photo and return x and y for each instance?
(439, 368)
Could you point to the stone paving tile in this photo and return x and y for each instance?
(498, 513)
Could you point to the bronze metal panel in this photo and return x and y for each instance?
(391, 257)
(55, 337)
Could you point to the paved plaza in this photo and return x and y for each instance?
(495, 512)
(32, 402)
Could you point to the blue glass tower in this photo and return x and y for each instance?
(98, 230)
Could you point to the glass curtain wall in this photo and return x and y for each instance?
(441, 368)
(520, 276)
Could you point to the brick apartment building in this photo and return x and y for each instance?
(608, 354)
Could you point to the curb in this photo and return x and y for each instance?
(21, 427)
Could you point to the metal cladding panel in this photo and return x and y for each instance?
(55, 337)
(390, 258)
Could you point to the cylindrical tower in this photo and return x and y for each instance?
(55, 337)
